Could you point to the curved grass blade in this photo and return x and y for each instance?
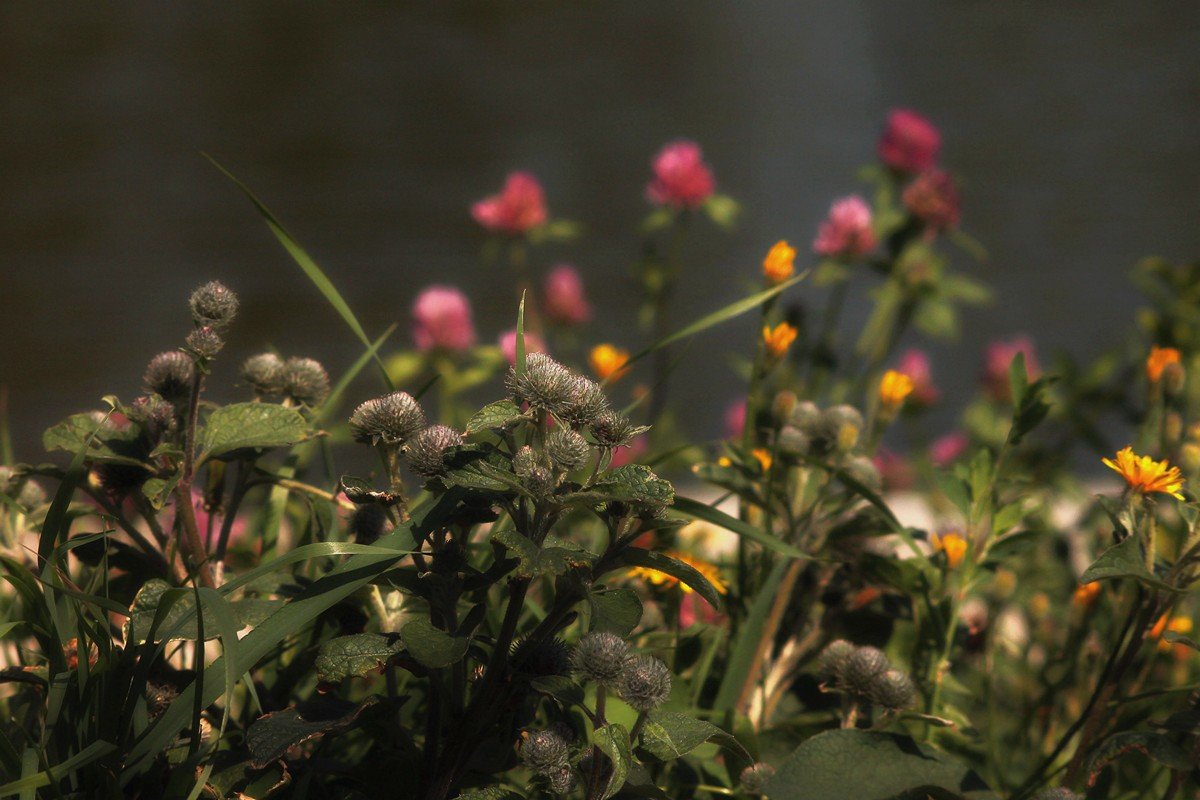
(702, 511)
(93, 752)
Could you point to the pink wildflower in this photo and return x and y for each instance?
(910, 142)
(508, 345)
(932, 198)
(915, 364)
(997, 361)
(846, 232)
(442, 320)
(735, 419)
(520, 206)
(947, 449)
(681, 178)
(566, 303)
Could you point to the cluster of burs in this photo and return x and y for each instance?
(171, 376)
(866, 675)
(837, 433)
(545, 387)
(605, 659)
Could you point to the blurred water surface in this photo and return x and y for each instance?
(370, 128)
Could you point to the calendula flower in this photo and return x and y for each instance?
(763, 456)
(778, 339)
(608, 361)
(894, 387)
(1158, 360)
(780, 263)
(1145, 475)
(953, 545)
(657, 578)
(1085, 595)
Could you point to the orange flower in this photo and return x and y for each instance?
(953, 545)
(608, 362)
(1145, 475)
(778, 339)
(764, 457)
(1086, 594)
(893, 389)
(780, 263)
(658, 578)
(1179, 625)
(1158, 360)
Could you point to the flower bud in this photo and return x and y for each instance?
(1172, 426)
(754, 777)
(645, 683)
(392, 419)
(567, 449)
(1189, 457)
(305, 381)
(31, 496)
(213, 304)
(264, 372)
(540, 481)
(548, 657)
(782, 406)
(793, 442)
(842, 425)
(155, 415)
(892, 690)
(170, 376)
(601, 657)
(543, 384)
(525, 461)
(863, 669)
(583, 402)
(544, 751)
(204, 342)
(863, 470)
(562, 780)
(611, 428)
(427, 449)
(833, 660)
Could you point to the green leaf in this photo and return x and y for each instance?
(1156, 746)
(669, 734)
(431, 646)
(613, 741)
(177, 619)
(495, 416)
(635, 483)
(702, 511)
(723, 210)
(615, 611)
(251, 426)
(93, 752)
(745, 647)
(270, 736)
(490, 793)
(868, 765)
(355, 655)
(483, 468)
(561, 688)
(684, 573)
(158, 490)
(554, 557)
(1123, 560)
(93, 434)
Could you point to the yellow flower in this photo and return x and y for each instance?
(725, 461)
(1145, 475)
(1086, 594)
(658, 578)
(780, 263)
(764, 457)
(1158, 360)
(778, 339)
(608, 361)
(893, 389)
(953, 545)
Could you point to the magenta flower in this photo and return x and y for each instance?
(947, 449)
(442, 320)
(520, 206)
(846, 232)
(910, 143)
(566, 303)
(915, 364)
(999, 358)
(895, 471)
(932, 198)
(735, 419)
(681, 178)
(508, 345)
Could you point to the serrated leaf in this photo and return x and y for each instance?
(484, 468)
(635, 483)
(669, 734)
(553, 557)
(1123, 560)
(272, 735)
(1156, 746)
(868, 765)
(111, 445)
(431, 646)
(494, 416)
(684, 573)
(613, 741)
(615, 611)
(182, 605)
(251, 426)
(355, 655)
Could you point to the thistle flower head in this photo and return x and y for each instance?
(1144, 475)
(601, 657)
(427, 450)
(843, 426)
(154, 414)
(611, 428)
(392, 419)
(264, 372)
(204, 342)
(645, 683)
(833, 660)
(754, 778)
(213, 304)
(545, 383)
(863, 668)
(892, 690)
(567, 449)
(549, 656)
(544, 751)
(170, 376)
(305, 381)
(525, 461)
(583, 403)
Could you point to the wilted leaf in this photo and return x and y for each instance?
(272, 735)
(251, 426)
(355, 655)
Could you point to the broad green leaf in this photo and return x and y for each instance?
(669, 734)
(355, 655)
(158, 490)
(868, 765)
(554, 557)
(714, 516)
(561, 688)
(613, 741)
(635, 483)
(245, 426)
(270, 736)
(483, 468)
(684, 573)
(175, 613)
(103, 442)
(494, 416)
(1156, 746)
(431, 646)
(615, 610)
(1123, 560)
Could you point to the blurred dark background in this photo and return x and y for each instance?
(370, 129)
